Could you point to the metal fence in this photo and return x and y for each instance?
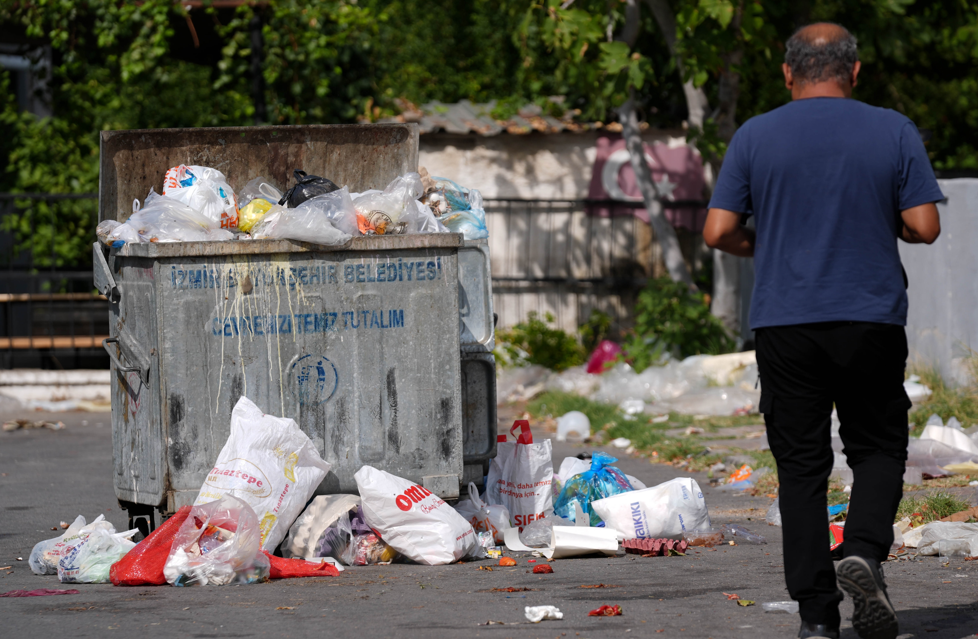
(50, 314)
(553, 257)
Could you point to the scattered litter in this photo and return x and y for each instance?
(269, 463)
(745, 602)
(574, 425)
(88, 558)
(665, 510)
(606, 611)
(600, 481)
(791, 607)
(542, 569)
(489, 568)
(742, 534)
(280, 568)
(604, 357)
(143, 565)
(655, 547)
(732, 596)
(710, 537)
(599, 586)
(744, 478)
(536, 614)
(219, 543)
(46, 554)
(948, 539)
(40, 592)
(26, 424)
(774, 513)
(916, 391)
(522, 463)
(507, 561)
(416, 523)
(512, 589)
(493, 519)
(493, 623)
(660, 419)
(836, 535)
(621, 442)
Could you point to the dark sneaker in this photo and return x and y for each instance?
(874, 616)
(817, 631)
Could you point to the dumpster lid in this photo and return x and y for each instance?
(372, 243)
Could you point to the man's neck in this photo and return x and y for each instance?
(829, 89)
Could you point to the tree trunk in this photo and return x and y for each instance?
(664, 233)
(696, 103)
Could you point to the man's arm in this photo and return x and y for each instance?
(724, 231)
(921, 224)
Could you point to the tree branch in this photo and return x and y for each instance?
(697, 104)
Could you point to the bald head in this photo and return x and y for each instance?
(821, 52)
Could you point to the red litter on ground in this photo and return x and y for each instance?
(542, 569)
(41, 592)
(655, 547)
(606, 611)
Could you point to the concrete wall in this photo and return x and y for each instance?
(942, 325)
(536, 166)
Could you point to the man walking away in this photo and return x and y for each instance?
(831, 183)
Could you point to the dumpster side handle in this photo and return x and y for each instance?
(143, 370)
(102, 275)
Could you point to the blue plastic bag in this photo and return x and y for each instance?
(603, 480)
(458, 208)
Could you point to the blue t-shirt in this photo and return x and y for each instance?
(826, 180)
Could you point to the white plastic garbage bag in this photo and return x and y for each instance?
(88, 558)
(665, 510)
(947, 538)
(325, 219)
(950, 436)
(165, 219)
(206, 191)
(536, 614)
(270, 464)
(303, 538)
(520, 477)
(46, 554)
(484, 517)
(413, 520)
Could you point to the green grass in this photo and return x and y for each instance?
(944, 401)
(932, 507)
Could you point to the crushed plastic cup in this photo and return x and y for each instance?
(774, 513)
(791, 607)
(536, 614)
(573, 424)
(708, 537)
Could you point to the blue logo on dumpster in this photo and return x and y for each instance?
(313, 379)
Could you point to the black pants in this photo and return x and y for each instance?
(805, 369)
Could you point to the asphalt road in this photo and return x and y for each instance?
(52, 476)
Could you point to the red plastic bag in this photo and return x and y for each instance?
(606, 611)
(289, 568)
(606, 354)
(143, 565)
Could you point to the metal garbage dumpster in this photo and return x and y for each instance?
(380, 349)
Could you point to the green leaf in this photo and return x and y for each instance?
(614, 56)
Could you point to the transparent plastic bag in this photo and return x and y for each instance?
(774, 513)
(165, 219)
(89, 558)
(388, 212)
(47, 554)
(218, 544)
(313, 221)
(306, 187)
(104, 228)
(492, 518)
(206, 191)
(539, 533)
(458, 208)
(254, 201)
(601, 481)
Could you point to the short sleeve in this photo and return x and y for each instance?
(732, 190)
(917, 182)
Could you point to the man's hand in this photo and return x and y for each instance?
(724, 231)
(921, 224)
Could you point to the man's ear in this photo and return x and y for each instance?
(855, 71)
(789, 81)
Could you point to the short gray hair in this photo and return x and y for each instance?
(821, 59)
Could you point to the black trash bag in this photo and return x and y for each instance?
(306, 187)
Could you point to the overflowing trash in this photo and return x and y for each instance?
(46, 555)
(669, 509)
(270, 464)
(600, 481)
(88, 558)
(143, 565)
(198, 204)
(520, 477)
(306, 536)
(412, 520)
(219, 543)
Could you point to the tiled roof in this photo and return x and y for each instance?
(465, 117)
